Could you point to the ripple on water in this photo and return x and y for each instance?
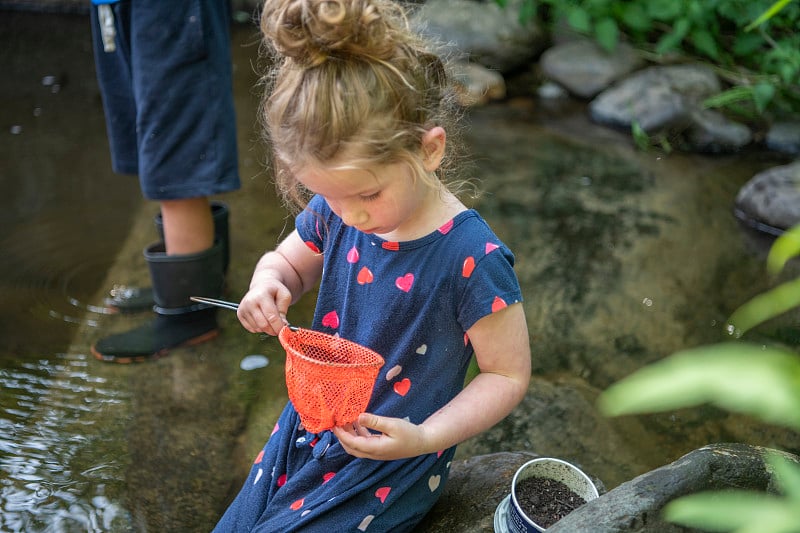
(51, 480)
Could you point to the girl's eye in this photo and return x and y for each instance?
(370, 197)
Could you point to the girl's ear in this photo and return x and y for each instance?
(433, 143)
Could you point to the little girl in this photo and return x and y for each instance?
(356, 119)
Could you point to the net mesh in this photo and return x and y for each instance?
(329, 379)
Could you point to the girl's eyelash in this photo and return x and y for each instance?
(371, 197)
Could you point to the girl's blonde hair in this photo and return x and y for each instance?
(350, 83)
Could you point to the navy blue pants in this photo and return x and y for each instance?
(168, 96)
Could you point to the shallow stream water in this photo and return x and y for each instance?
(624, 257)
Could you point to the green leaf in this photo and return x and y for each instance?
(579, 19)
(746, 44)
(664, 10)
(740, 377)
(640, 137)
(742, 511)
(635, 17)
(704, 42)
(785, 247)
(768, 14)
(607, 33)
(762, 95)
(765, 306)
(787, 473)
(673, 39)
(728, 97)
(527, 11)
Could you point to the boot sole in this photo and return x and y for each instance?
(158, 355)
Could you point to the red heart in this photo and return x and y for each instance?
(402, 386)
(312, 246)
(331, 320)
(404, 283)
(498, 304)
(352, 255)
(382, 493)
(297, 504)
(259, 458)
(446, 227)
(469, 266)
(327, 477)
(281, 480)
(391, 245)
(364, 276)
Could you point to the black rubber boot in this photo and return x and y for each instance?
(124, 299)
(178, 321)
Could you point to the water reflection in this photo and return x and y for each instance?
(47, 413)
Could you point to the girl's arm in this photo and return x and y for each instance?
(503, 354)
(280, 278)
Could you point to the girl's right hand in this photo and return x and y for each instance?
(263, 309)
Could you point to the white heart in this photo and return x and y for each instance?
(366, 522)
(394, 372)
(433, 482)
(305, 512)
(258, 475)
(422, 349)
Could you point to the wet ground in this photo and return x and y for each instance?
(624, 257)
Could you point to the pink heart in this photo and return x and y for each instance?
(402, 386)
(364, 276)
(490, 247)
(352, 255)
(404, 283)
(469, 266)
(297, 504)
(331, 320)
(382, 493)
(281, 480)
(259, 458)
(327, 477)
(446, 227)
(498, 304)
(312, 246)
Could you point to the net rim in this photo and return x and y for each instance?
(376, 360)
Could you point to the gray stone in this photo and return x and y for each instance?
(772, 197)
(784, 137)
(477, 486)
(585, 69)
(634, 506)
(713, 132)
(476, 84)
(656, 97)
(482, 32)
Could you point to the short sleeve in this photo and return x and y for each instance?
(313, 224)
(492, 285)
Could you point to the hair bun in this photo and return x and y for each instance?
(311, 31)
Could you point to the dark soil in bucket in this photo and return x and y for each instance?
(546, 501)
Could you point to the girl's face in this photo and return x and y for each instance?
(387, 200)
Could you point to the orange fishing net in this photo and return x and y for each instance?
(329, 379)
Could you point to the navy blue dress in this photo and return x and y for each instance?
(412, 302)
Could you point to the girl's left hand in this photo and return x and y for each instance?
(396, 438)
